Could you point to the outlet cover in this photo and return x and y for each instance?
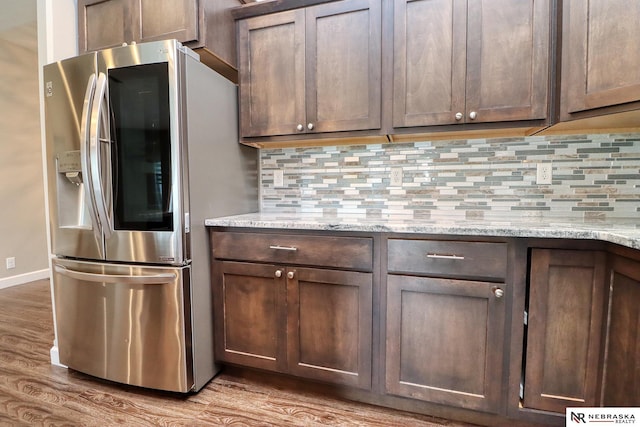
(278, 178)
(396, 177)
(544, 173)
(11, 263)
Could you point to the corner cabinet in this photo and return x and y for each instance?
(622, 357)
(565, 318)
(445, 322)
(204, 25)
(473, 61)
(312, 70)
(273, 312)
(600, 57)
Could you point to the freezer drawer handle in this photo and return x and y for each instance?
(155, 279)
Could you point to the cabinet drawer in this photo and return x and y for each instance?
(446, 258)
(354, 253)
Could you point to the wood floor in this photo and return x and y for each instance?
(35, 393)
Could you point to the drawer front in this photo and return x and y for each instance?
(477, 260)
(354, 253)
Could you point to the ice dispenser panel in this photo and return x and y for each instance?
(72, 209)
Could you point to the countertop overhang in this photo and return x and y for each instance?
(621, 231)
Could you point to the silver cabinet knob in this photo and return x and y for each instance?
(473, 115)
(278, 273)
(300, 127)
(310, 126)
(499, 293)
(459, 116)
(290, 275)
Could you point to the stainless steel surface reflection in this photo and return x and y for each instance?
(124, 323)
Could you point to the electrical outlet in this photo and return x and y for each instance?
(11, 263)
(278, 178)
(544, 173)
(396, 177)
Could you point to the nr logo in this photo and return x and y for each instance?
(577, 417)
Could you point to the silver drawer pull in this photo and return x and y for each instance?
(444, 256)
(283, 248)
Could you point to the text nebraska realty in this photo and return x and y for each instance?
(579, 417)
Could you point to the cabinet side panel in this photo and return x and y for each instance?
(622, 380)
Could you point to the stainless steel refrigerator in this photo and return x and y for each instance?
(142, 146)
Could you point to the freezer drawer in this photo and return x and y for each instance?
(125, 323)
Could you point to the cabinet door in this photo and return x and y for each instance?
(601, 54)
(106, 23)
(445, 341)
(507, 60)
(429, 62)
(271, 72)
(168, 19)
(622, 363)
(330, 321)
(564, 329)
(250, 317)
(343, 66)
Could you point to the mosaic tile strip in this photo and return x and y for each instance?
(594, 176)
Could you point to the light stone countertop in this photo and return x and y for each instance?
(622, 231)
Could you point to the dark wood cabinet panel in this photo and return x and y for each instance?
(462, 260)
(508, 53)
(470, 61)
(600, 56)
(352, 253)
(312, 70)
(429, 62)
(343, 54)
(168, 19)
(311, 322)
(330, 325)
(622, 362)
(271, 65)
(205, 26)
(250, 322)
(445, 341)
(106, 23)
(564, 329)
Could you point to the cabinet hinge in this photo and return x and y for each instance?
(521, 390)
(526, 318)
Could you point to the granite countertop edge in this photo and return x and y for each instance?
(621, 231)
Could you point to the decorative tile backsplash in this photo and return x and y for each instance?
(594, 176)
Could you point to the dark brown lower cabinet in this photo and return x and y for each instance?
(622, 360)
(445, 341)
(313, 323)
(250, 321)
(566, 302)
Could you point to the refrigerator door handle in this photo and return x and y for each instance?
(85, 129)
(99, 124)
(154, 279)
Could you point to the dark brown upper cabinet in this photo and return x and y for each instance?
(600, 58)
(470, 61)
(204, 25)
(313, 70)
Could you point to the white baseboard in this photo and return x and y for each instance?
(21, 279)
(55, 356)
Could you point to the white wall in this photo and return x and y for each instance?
(23, 233)
(32, 33)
